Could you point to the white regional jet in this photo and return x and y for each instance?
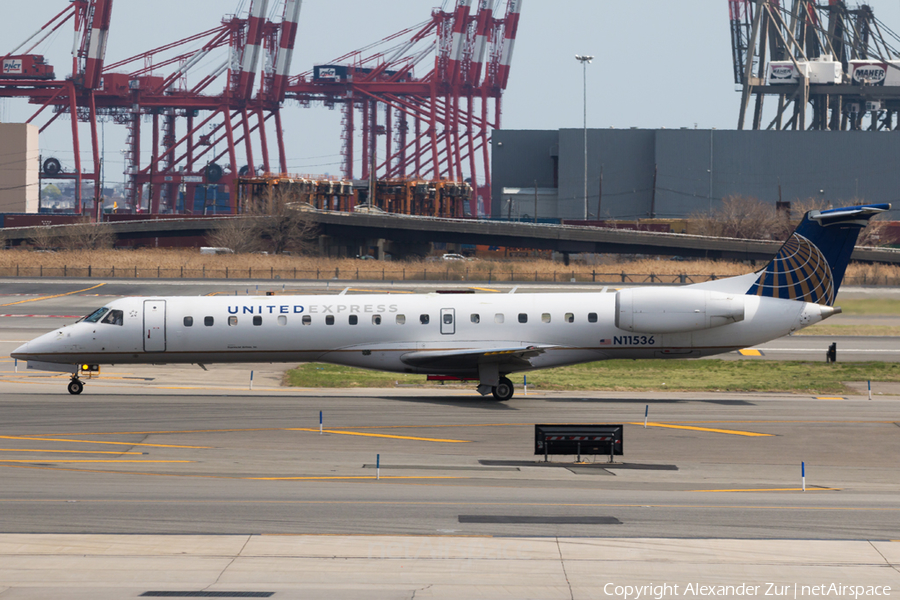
(483, 337)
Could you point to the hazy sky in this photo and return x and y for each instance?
(659, 63)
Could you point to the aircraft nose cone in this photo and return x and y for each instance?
(21, 351)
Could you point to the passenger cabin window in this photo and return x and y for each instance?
(232, 321)
(115, 317)
(570, 318)
(498, 318)
(475, 318)
(189, 321)
(257, 320)
(545, 317)
(401, 319)
(306, 320)
(523, 318)
(95, 316)
(282, 320)
(376, 319)
(592, 317)
(354, 319)
(208, 321)
(329, 320)
(424, 319)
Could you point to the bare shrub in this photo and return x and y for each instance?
(44, 238)
(237, 233)
(744, 218)
(274, 223)
(87, 236)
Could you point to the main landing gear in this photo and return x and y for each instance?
(503, 391)
(75, 386)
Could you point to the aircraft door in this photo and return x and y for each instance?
(155, 325)
(448, 321)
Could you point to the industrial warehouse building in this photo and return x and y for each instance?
(673, 173)
(19, 165)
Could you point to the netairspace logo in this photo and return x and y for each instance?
(667, 590)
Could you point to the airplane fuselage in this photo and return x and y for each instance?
(380, 331)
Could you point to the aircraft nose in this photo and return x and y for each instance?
(20, 352)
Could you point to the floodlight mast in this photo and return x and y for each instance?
(585, 61)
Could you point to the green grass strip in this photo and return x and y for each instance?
(641, 375)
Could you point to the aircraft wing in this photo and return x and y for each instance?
(454, 360)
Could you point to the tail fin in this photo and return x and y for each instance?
(810, 265)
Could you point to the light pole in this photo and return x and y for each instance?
(585, 60)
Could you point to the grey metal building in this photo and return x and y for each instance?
(672, 173)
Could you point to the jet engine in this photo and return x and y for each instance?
(659, 310)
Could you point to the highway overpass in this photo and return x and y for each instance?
(560, 238)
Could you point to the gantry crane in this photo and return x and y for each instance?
(74, 96)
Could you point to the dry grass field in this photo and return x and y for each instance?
(189, 263)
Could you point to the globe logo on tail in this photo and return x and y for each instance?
(799, 272)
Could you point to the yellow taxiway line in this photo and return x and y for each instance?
(72, 451)
(708, 429)
(56, 296)
(750, 352)
(382, 435)
(23, 460)
(40, 439)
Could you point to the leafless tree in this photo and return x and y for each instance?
(87, 236)
(274, 222)
(237, 233)
(44, 238)
(745, 218)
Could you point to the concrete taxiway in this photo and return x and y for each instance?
(172, 479)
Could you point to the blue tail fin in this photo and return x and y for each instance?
(810, 265)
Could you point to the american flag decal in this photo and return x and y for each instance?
(606, 342)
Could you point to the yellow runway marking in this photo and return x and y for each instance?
(799, 489)
(380, 291)
(382, 435)
(726, 431)
(56, 296)
(830, 398)
(750, 352)
(39, 439)
(71, 451)
(481, 289)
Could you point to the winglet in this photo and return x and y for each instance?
(811, 264)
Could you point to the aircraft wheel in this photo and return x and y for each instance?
(75, 387)
(504, 390)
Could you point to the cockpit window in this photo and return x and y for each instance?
(115, 317)
(95, 316)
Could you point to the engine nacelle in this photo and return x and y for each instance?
(661, 310)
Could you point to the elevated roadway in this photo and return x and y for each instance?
(560, 238)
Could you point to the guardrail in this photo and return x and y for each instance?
(448, 274)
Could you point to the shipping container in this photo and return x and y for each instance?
(868, 72)
(32, 220)
(825, 71)
(782, 72)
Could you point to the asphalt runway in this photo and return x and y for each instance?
(174, 478)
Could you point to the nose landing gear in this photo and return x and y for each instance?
(75, 386)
